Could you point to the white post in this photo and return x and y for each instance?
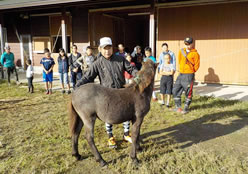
(22, 50)
(152, 33)
(2, 49)
(64, 38)
(30, 49)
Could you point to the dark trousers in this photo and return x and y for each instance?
(2, 72)
(30, 84)
(75, 76)
(184, 83)
(10, 70)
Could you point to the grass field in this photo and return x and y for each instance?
(212, 138)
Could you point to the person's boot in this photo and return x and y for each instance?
(127, 137)
(9, 82)
(32, 90)
(112, 143)
(186, 106)
(178, 105)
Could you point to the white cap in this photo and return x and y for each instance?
(7, 47)
(105, 41)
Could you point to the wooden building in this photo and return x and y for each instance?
(218, 26)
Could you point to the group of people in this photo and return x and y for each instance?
(189, 63)
(116, 70)
(76, 62)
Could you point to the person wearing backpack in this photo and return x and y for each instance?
(189, 63)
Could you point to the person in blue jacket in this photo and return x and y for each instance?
(148, 55)
(63, 69)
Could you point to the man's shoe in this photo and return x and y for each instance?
(185, 111)
(63, 91)
(179, 110)
(112, 143)
(69, 91)
(154, 99)
(161, 102)
(127, 138)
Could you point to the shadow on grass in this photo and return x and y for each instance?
(201, 129)
(215, 103)
(12, 101)
(3, 81)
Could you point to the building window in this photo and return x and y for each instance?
(58, 44)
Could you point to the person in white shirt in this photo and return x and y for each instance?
(30, 76)
(166, 82)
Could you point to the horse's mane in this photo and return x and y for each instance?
(144, 77)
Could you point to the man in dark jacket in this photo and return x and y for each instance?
(76, 71)
(110, 69)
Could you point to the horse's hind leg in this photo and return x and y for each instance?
(89, 134)
(75, 137)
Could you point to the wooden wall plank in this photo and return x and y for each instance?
(221, 38)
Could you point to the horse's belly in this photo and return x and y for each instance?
(116, 115)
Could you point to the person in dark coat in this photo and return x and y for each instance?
(110, 69)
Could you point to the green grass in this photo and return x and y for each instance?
(212, 138)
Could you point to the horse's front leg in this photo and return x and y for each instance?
(135, 136)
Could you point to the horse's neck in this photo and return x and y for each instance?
(148, 90)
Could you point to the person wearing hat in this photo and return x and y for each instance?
(7, 60)
(109, 67)
(189, 63)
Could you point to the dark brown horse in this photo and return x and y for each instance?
(112, 106)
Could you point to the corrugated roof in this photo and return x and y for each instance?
(10, 4)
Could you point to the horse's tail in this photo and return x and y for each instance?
(73, 117)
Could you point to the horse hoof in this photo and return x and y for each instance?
(139, 149)
(103, 163)
(78, 157)
(135, 161)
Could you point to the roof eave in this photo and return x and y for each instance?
(38, 3)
